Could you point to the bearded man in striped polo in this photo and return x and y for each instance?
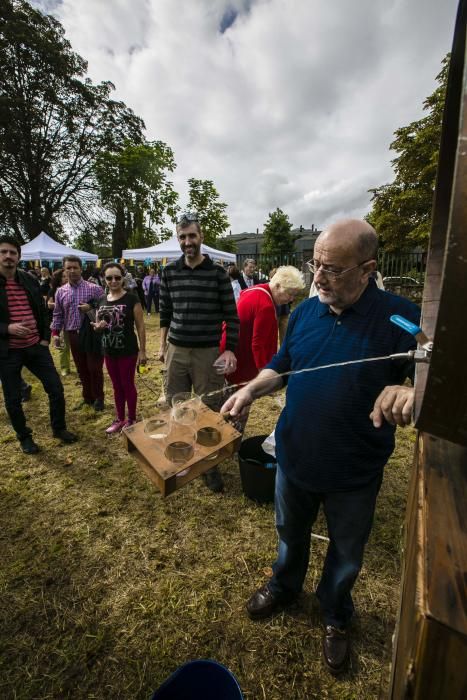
(196, 298)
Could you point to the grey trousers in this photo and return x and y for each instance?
(191, 369)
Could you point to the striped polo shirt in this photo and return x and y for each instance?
(19, 310)
(194, 302)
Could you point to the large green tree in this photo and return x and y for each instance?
(204, 199)
(53, 124)
(135, 188)
(277, 234)
(401, 211)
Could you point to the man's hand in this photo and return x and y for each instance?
(19, 330)
(84, 308)
(238, 402)
(142, 357)
(395, 404)
(45, 343)
(226, 363)
(162, 352)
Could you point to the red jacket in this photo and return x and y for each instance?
(258, 333)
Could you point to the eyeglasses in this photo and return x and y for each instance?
(188, 216)
(314, 266)
(109, 278)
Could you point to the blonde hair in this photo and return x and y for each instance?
(288, 278)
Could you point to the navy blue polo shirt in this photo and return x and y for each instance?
(325, 440)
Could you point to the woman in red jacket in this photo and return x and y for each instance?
(258, 322)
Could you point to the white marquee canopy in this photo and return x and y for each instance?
(170, 250)
(42, 247)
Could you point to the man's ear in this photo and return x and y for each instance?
(369, 267)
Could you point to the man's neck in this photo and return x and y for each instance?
(194, 262)
(8, 273)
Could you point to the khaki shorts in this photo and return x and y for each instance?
(191, 369)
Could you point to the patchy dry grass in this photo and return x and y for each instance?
(106, 588)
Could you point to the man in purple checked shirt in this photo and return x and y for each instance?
(72, 301)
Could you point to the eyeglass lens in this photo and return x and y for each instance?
(113, 277)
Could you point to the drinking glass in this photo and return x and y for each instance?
(180, 444)
(185, 407)
(157, 427)
(209, 437)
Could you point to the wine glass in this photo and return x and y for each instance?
(185, 407)
(180, 444)
(157, 427)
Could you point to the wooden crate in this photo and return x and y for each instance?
(164, 474)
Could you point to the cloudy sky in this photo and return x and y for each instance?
(282, 103)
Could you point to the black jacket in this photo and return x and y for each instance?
(37, 305)
(242, 282)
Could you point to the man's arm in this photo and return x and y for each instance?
(58, 314)
(165, 311)
(163, 346)
(266, 382)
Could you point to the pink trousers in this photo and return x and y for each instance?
(122, 373)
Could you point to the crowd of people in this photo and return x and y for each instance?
(218, 329)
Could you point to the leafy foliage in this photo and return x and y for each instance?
(97, 239)
(134, 187)
(53, 124)
(204, 199)
(277, 234)
(401, 210)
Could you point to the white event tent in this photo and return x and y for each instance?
(42, 247)
(170, 250)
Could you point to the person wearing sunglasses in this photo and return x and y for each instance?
(118, 313)
(336, 431)
(196, 297)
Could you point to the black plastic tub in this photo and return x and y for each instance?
(257, 470)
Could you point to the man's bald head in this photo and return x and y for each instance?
(356, 236)
(344, 259)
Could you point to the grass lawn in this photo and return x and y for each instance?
(106, 588)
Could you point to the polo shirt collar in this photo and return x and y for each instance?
(206, 264)
(361, 306)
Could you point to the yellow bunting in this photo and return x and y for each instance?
(122, 260)
(99, 263)
(132, 262)
(164, 261)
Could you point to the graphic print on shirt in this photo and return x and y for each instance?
(113, 335)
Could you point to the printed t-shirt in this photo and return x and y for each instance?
(119, 338)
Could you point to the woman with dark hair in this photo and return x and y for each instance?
(118, 312)
(59, 277)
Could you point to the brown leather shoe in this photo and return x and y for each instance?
(264, 603)
(336, 649)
